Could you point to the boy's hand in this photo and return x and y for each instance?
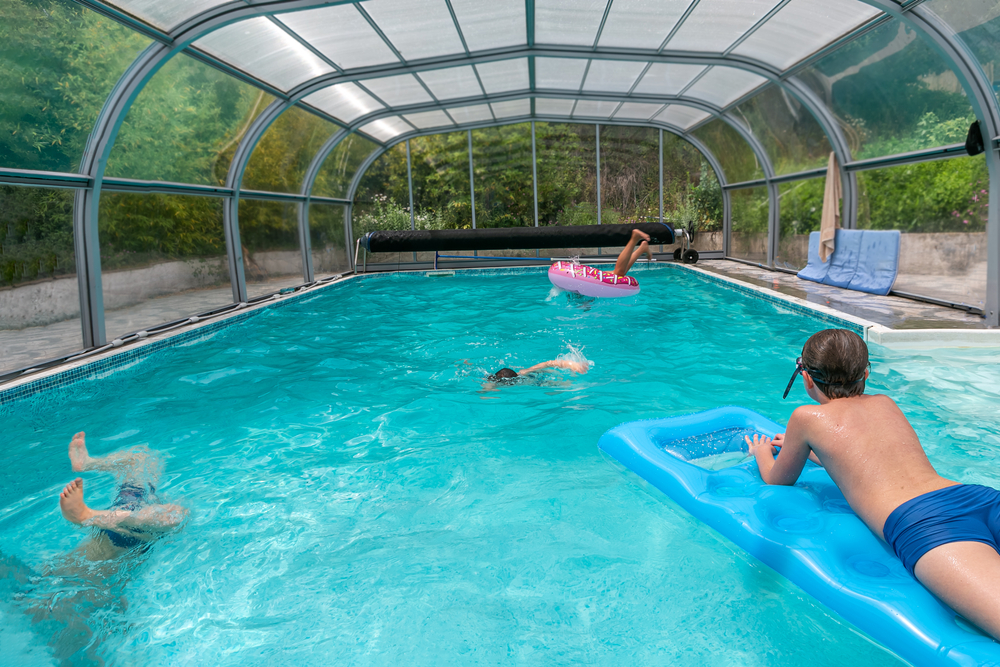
(759, 442)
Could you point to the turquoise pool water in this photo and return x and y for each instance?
(357, 498)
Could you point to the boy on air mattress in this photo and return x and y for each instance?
(945, 533)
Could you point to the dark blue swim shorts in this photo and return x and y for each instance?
(960, 513)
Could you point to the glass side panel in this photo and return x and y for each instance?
(692, 196)
(326, 236)
(940, 208)
(346, 101)
(511, 108)
(272, 257)
(715, 24)
(638, 110)
(791, 136)
(429, 119)
(553, 107)
(733, 153)
(615, 76)
(264, 50)
(594, 109)
(892, 93)
(334, 177)
(568, 21)
(504, 75)
(722, 85)
(559, 73)
(630, 174)
(441, 193)
(567, 174)
(163, 257)
(473, 114)
(58, 63)
(667, 79)
(398, 90)
(385, 129)
(280, 159)
(39, 294)
(977, 22)
(165, 15)
(641, 24)
(803, 27)
(502, 161)
(452, 82)
(503, 25)
(382, 200)
(353, 44)
(416, 29)
(749, 232)
(185, 125)
(801, 208)
(682, 116)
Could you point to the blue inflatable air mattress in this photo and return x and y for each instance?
(806, 532)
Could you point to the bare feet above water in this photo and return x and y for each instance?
(71, 503)
(78, 454)
(639, 235)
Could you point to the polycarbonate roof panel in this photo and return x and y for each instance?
(559, 73)
(568, 21)
(641, 24)
(166, 15)
(354, 43)
(447, 84)
(428, 119)
(613, 76)
(722, 85)
(639, 110)
(385, 129)
(681, 116)
(715, 24)
(473, 114)
(261, 48)
(344, 101)
(417, 29)
(546, 106)
(398, 91)
(511, 108)
(802, 27)
(594, 108)
(667, 79)
(502, 25)
(504, 75)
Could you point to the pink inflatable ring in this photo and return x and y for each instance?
(589, 281)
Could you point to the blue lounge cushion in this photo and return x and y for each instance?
(863, 260)
(807, 532)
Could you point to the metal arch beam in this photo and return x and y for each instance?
(305, 241)
(378, 152)
(94, 160)
(979, 90)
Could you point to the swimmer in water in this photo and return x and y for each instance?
(135, 518)
(632, 252)
(510, 376)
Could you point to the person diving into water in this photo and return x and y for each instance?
(136, 517)
(636, 246)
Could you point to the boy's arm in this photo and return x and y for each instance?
(795, 450)
(574, 366)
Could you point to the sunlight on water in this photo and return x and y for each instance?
(357, 497)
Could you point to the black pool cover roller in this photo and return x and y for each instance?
(513, 238)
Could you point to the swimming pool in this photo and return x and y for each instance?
(355, 493)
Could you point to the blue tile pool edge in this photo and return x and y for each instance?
(112, 360)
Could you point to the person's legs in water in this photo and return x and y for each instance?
(631, 253)
(148, 519)
(966, 576)
(133, 466)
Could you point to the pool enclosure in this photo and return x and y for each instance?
(164, 159)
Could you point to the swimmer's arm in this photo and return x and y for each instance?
(784, 469)
(574, 366)
(779, 440)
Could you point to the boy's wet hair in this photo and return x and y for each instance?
(836, 360)
(503, 375)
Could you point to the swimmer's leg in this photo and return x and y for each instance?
(966, 576)
(158, 517)
(136, 465)
(627, 256)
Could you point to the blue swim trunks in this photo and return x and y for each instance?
(960, 513)
(130, 497)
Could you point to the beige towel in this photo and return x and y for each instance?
(831, 210)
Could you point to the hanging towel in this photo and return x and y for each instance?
(831, 210)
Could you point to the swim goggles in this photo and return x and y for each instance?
(816, 375)
(798, 369)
